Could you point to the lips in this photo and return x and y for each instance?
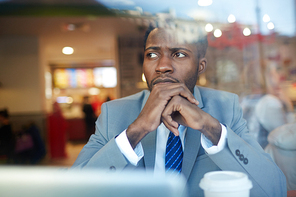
(164, 80)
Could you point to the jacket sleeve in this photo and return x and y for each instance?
(101, 151)
(243, 153)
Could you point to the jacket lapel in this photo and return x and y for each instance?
(191, 149)
(149, 147)
(197, 96)
(149, 142)
(192, 142)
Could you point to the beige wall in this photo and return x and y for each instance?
(19, 74)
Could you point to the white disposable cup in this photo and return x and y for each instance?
(226, 184)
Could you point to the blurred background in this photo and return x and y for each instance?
(61, 59)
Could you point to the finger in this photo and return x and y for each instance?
(169, 122)
(174, 89)
(173, 129)
(185, 93)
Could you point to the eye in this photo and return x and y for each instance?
(179, 54)
(152, 55)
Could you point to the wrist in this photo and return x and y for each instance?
(212, 130)
(135, 134)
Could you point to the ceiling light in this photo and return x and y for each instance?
(68, 50)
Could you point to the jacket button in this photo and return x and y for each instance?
(112, 168)
(246, 161)
(237, 152)
(241, 157)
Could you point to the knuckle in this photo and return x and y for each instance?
(176, 99)
(181, 88)
(164, 116)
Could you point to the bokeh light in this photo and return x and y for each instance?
(209, 27)
(247, 31)
(68, 50)
(217, 33)
(231, 18)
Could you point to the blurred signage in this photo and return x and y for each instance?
(105, 77)
(85, 77)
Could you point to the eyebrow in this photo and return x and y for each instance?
(171, 49)
(152, 48)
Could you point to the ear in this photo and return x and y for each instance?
(202, 65)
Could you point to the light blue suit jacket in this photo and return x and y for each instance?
(242, 152)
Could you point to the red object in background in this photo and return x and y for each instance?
(232, 36)
(57, 127)
(291, 193)
(96, 105)
(76, 129)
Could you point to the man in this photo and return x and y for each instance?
(132, 132)
(7, 138)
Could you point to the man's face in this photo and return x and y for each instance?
(169, 60)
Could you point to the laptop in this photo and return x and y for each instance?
(59, 182)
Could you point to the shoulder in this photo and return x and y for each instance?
(217, 101)
(270, 101)
(269, 98)
(222, 105)
(216, 95)
(131, 102)
(118, 114)
(138, 97)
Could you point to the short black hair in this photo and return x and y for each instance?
(148, 31)
(201, 44)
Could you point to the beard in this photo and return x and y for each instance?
(190, 82)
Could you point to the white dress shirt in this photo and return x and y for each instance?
(134, 155)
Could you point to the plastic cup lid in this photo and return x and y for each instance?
(225, 181)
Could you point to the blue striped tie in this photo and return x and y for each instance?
(174, 154)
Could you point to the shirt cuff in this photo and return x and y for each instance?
(208, 145)
(132, 155)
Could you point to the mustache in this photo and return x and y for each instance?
(162, 79)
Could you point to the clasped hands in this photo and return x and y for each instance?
(172, 104)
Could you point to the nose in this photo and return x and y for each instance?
(164, 65)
